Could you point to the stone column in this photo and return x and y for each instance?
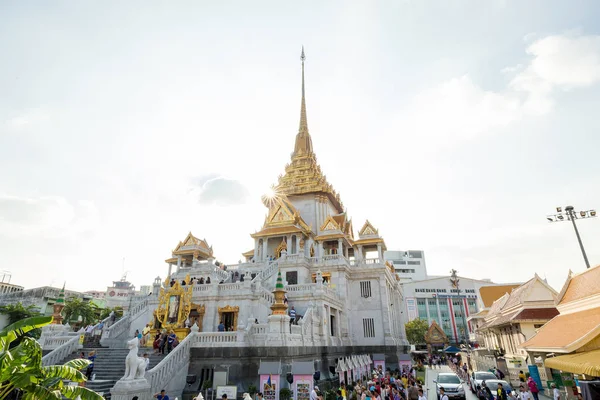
(288, 241)
(321, 250)
(255, 255)
(340, 248)
(265, 248)
(339, 325)
(380, 253)
(360, 255)
(171, 266)
(298, 243)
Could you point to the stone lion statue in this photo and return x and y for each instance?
(135, 366)
(199, 397)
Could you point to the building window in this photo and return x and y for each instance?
(422, 308)
(472, 306)
(368, 327)
(365, 289)
(291, 277)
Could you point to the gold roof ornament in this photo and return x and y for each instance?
(303, 175)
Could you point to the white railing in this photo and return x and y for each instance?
(259, 329)
(179, 358)
(330, 291)
(266, 272)
(330, 257)
(220, 274)
(268, 296)
(372, 261)
(306, 320)
(230, 287)
(216, 337)
(163, 372)
(202, 288)
(138, 308)
(53, 342)
(118, 328)
(60, 353)
(305, 287)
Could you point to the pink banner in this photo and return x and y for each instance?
(303, 385)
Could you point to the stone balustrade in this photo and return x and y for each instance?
(202, 288)
(305, 287)
(57, 355)
(216, 338)
(231, 287)
(53, 342)
(259, 329)
(173, 363)
(220, 274)
(267, 295)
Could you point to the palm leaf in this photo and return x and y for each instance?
(71, 392)
(29, 351)
(20, 328)
(78, 363)
(63, 372)
(23, 379)
(40, 393)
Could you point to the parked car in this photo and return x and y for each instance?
(493, 385)
(453, 386)
(478, 376)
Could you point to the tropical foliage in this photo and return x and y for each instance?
(76, 307)
(416, 330)
(21, 367)
(105, 312)
(17, 312)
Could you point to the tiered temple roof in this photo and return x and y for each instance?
(303, 175)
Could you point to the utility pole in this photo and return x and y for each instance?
(572, 215)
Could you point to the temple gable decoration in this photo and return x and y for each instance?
(368, 230)
(330, 224)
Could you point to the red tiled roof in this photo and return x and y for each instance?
(537, 314)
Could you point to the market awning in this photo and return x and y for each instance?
(587, 362)
(451, 349)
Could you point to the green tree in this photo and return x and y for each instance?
(17, 312)
(76, 307)
(105, 312)
(416, 330)
(21, 367)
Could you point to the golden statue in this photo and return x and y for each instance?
(175, 304)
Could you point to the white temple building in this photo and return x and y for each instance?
(344, 293)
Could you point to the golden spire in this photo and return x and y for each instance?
(303, 141)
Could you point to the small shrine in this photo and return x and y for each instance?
(57, 317)
(175, 307)
(435, 336)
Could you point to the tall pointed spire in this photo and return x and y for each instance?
(303, 140)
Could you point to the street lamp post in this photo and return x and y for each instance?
(454, 279)
(572, 215)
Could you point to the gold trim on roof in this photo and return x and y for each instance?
(303, 175)
(330, 224)
(368, 230)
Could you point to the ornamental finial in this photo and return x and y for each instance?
(303, 141)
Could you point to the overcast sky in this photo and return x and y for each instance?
(453, 126)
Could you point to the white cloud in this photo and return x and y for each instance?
(220, 191)
(461, 109)
(47, 216)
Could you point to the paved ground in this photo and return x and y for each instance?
(430, 376)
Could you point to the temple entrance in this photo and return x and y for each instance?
(229, 316)
(228, 319)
